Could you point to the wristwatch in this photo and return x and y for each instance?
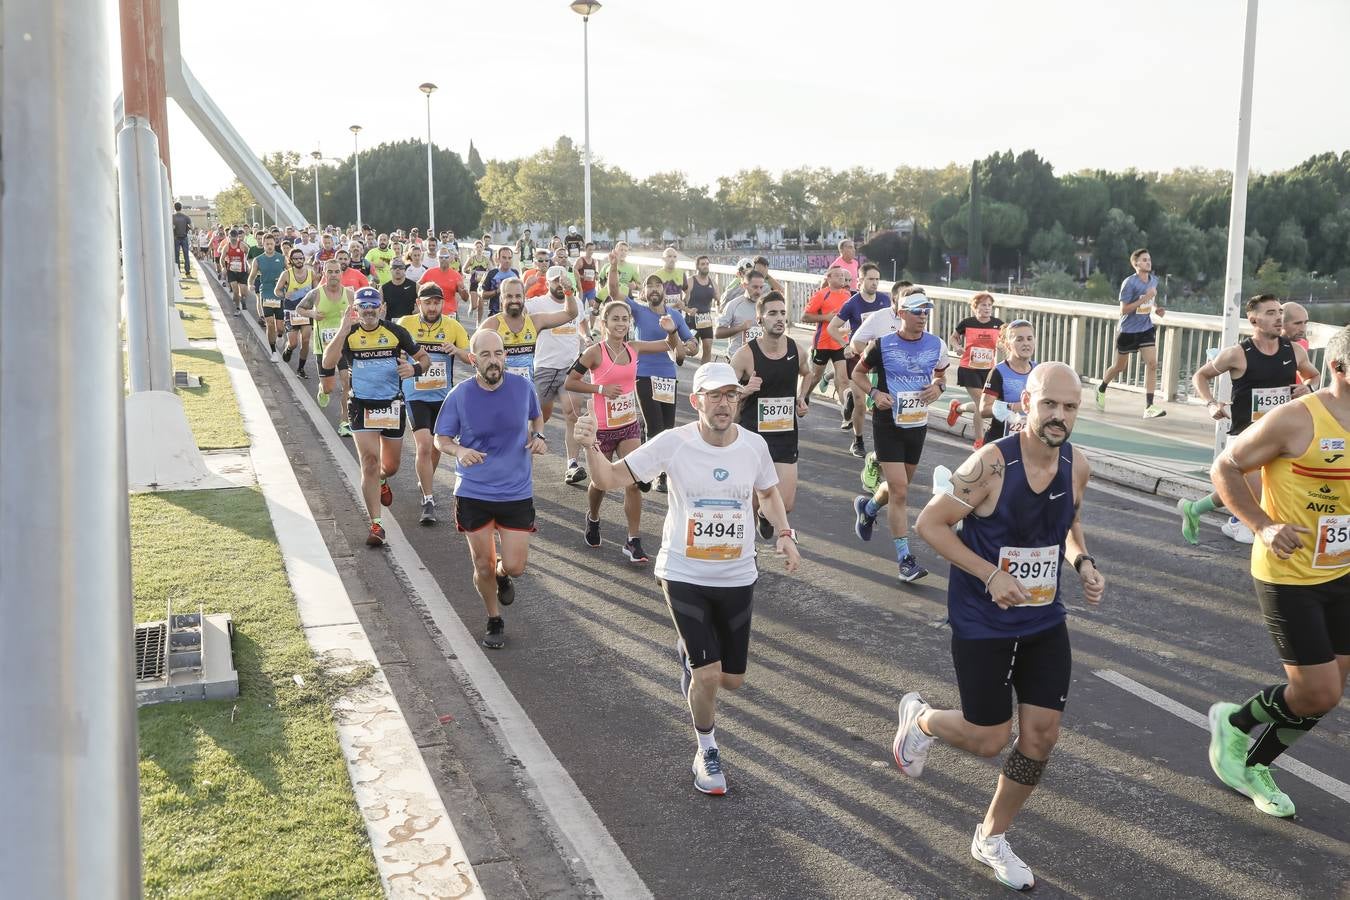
(540, 435)
(1082, 558)
(788, 533)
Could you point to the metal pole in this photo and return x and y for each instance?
(318, 223)
(356, 160)
(431, 195)
(69, 746)
(292, 186)
(276, 203)
(145, 273)
(586, 105)
(1237, 217)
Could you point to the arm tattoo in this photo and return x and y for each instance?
(997, 469)
(971, 472)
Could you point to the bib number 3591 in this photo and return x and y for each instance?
(1037, 568)
(1332, 547)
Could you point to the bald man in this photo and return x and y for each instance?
(1004, 605)
(493, 425)
(1294, 323)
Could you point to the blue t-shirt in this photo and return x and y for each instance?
(1131, 289)
(270, 268)
(373, 357)
(497, 424)
(490, 282)
(855, 309)
(647, 327)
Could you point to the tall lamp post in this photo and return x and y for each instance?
(585, 8)
(276, 204)
(427, 87)
(356, 161)
(318, 224)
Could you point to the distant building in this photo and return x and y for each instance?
(199, 209)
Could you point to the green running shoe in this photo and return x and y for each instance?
(1268, 798)
(322, 398)
(871, 473)
(1228, 748)
(1100, 397)
(1190, 521)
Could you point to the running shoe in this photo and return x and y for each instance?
(686, 670)
(506, 590)
(846, 425)
(301, 373)
(386, 494)
(978, 444)
(1100, 397)
(592, 532)
(276, 357)
(1237, 531)
(428, 512)
(632, 549)
(765, 527)
(953, 412)
(495, 638)
(858, 448)
(236, 311)
(995, 853)
(376, 537)
(322, 397)
(1154, 412)
(286, 354)
(344, 428)
(576, 474)
(862, 524)
(910, 570)
(1190, 521)
(644, 486)
(871, 473)
(1228, 748)
(661, 486)
(847, 411)
(1265, 795)
(910, 747)
(708, 775)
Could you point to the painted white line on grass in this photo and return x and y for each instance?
(416, 849)
(1332, 786)
(573, 816)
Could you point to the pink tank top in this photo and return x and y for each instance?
(620, 411)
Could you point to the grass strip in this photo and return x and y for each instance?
(197, 323)
(212, 411)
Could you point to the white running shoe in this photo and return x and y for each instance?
(1237, 531)
(276, 357)
(995, 853)
(910, 747)
(708, 775)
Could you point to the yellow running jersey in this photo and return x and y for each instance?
(1312, 490)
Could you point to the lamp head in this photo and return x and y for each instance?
(584, 8)
(426, 87)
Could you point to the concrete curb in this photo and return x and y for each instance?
(414, 843)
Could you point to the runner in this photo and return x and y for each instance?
(555, 351)
(1009, 379)
(612, 364)
(848, 320)
(525, 248)
(847, 259)
(1136, 332)
(292, 288)
(357, 251)
(1301, 569)
(451, 282)
(519, 330)
(266, 272)
(573, 242)
(492, 425)
(416, 269)
(707, 560)
(1294, 319)
(234, 263)
(1005, 607)
(911, 366)
(493, 279)
(657, 381)
(739, 320)
(477, 266)
(702, 299)
(771, 369)
(379, 258)
(325, 307)
(444, 340)
(1265, 369)
(325, 252)
(827, 354)
(399, 292)
(351, 276)
(976, 337)
(535, 277)
(674, 280)
(628, 274)
(380, 354)
(586, 271)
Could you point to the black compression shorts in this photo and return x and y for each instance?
(895, 444)
(971, 378)
(1038, 667)
(714, 622)
(821, 356)
(1310, 623)
(356, 411)
(423, 413)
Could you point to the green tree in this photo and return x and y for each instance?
(1131, 195)
(1179, 190)
(500, 193)
(1177, 247)
(1119, 236)
(1289, 246)
(550, 184)
(796, 199)
(1083, 202)
(475, 162)
(1055, 247)
(974, 237)
(232, 204)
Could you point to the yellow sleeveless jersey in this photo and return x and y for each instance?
(1312, 490)
(519, 346)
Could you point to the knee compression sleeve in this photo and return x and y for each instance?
(1023, 769)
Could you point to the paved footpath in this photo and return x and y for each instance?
(1128, 806)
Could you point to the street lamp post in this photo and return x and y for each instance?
(292, 186)
(427, 87)
(276, 204)
(585, 9)
(318, 224)
(356, 161)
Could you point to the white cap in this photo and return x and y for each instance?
(714, 375)
(555, 272)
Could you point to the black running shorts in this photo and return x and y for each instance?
(714, 622)
(472, 514)
(423, 413)
(971, 378)
(821, 356)
(1037, 666)
(893, 443)
(1310, 623)
(1133, 343)
(356, 409)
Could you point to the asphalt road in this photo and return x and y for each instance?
(816, 807)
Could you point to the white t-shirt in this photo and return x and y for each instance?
(709, 534)
(557, 347)
(310, 249)
(876, 324)
(415, 273)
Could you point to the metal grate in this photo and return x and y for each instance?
(150, 640)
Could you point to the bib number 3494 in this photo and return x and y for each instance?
(715, 530)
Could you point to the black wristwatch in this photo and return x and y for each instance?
(540, 436)
(1082, 558)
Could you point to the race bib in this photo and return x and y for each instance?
(434, 379)
(236, 264)
(1265, 400)
(703, 320)
(755, 333)
(526, 372)
(327, 336)
(568, 330)
(1036, 568)
(715, 530)
(621, 410)
(1144, 309)
(271, 303)
(1331, 550)
(908, 409)
(663, 389)
(776, 414)
(383, 416)
(981, 358)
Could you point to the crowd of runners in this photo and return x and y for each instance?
(476, 345)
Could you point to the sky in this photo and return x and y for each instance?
(1149, 84)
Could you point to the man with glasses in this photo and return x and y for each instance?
(492, 281)
(706, 565)
(535, 277)
(399, 292)
(324, 308)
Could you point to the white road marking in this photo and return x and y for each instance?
(575, 820)
(1332, 786)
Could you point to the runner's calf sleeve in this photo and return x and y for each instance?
(1023, 769)
(1268, 707)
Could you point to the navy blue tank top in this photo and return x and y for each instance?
(1033, 527)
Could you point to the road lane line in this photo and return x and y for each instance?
(1332, 786)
